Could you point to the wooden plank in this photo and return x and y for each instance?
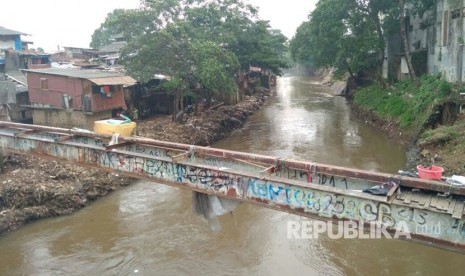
(27, 132)
(64, 138)
(408, 198)
(267, 171)
(216, 106)
(391, 192)
(401, 196)
(443, 204)
(416, 197)
(450, 210)
(249, 163)
(458, 210)
(434, 202)
(180, 157)
(428, 201)
(424, 199)
(119, 145)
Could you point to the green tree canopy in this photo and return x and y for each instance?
(345, 34)
(298, 47)
(129, 23)
(194, 42)
(351, 35)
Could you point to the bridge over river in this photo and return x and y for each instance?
(299, 118)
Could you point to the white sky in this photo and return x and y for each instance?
(72, 22)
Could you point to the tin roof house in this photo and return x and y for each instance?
(10, 39)
(75, 97)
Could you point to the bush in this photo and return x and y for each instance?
(409, 104)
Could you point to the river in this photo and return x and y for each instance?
(149, 229)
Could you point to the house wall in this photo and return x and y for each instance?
(75, 89)
(18, 43)
(4, 113)
(68, 118)
(38, 66)
(436, 40)
(10, 41)
(56, 87)
(445, 55)
(20, 114)
(7, 44)
(101, 102)
(393, 50)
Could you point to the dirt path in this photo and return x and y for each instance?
(33, 188)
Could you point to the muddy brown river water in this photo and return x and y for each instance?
(149, 229)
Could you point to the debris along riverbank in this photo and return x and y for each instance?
(205, 128)
(33, 188)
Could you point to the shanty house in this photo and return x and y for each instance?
(13, 98)
(435, 41)
(80, 53)
(75, 97)
(10, 39)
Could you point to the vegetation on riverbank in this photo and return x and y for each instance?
(426, 115)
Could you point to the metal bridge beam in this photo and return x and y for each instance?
(303, 188)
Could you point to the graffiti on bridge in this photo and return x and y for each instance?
(312, 201)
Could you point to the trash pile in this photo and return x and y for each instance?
(33, 188)
(205, 128)
(456, 180)
(431, 172)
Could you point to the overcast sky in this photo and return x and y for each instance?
(72, 22)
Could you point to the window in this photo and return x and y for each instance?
(95, 89)
(455, 14)
(44, 83)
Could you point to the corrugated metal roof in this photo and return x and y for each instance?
(113, 47)
(98, 77)
(17, 76)
(124, 80)
(5, 31)
(75, 73)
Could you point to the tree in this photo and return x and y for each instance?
(214, 67)
(113, 25)
(336, 39)
(195, 42)
(187, 62)
(403, 35)
(345, 34)
(300, 52)
(260, 46)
